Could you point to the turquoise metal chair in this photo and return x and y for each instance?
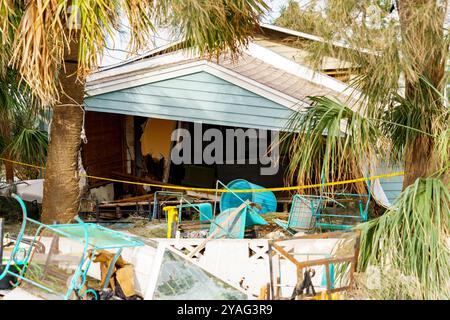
(342, 211)
(301, 215)
(346, 210)
(92, 238)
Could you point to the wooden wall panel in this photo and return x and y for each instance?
(105, 150)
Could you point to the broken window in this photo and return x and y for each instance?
(180, 279)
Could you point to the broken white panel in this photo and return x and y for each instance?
(234, 259)
(103, 194)
(28, 190)
(175, 276)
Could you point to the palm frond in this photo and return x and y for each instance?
(45, 30)
(19, 137)
(329, 140)
(212, 26)
(411, 238)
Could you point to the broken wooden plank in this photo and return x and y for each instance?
(203, 195)
(131, 178)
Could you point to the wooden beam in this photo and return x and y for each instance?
(131, 178)
(284, 253)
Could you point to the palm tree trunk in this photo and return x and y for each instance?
(61, 186)
(5, 130)
(429, 59)
(419, 160)
(9, 172)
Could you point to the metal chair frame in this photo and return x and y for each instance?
(90, 235)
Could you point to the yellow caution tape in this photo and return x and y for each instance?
(22, 164)
(277, 189)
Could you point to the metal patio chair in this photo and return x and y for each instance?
(344, 212)
(301, 214)
(42, 270)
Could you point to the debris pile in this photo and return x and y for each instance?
(183, 246)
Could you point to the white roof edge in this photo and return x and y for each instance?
(124, 68)
(312, 37)
(138, 57)
(292, 32)
(301, 71)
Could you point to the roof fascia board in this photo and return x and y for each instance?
(130, 79)
(280, 62)
(140, 65)
(313, 38)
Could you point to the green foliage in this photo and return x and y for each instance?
(390, 52)
(411, 238)
(328, 139)
(29, 146)
(400, 116)
(20, 116)
(397, 84)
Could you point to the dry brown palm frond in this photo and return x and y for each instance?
(39, 48)
(43, 29)
(381, 43)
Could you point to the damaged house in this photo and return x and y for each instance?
(133, 109)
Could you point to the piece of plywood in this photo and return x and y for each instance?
(104, 152)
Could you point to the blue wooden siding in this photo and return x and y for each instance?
(198, 97)
(392, 186)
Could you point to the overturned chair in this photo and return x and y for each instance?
(301, 215)
(342, 211)
(328, 211)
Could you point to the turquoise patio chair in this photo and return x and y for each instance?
(92, 239)
(301, 215)
(345, 211)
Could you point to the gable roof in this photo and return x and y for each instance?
(258, 69)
